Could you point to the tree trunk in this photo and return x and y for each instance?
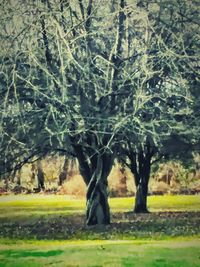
(141, 167)
(97, 211)
(142, 182)
(6, 183)
(13, 175)
(95, 169)
(18, 175)
(33, 172)
(123, 179)
(141, 198)
(63, 173)
(40, 176)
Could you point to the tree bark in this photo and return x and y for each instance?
(97, 211)
(95, 169)
(140, 166)
(18, 176)
(142, 182)
(141, 198)
(40, 175)
(63, 173)
(13, 175)
(33, 172)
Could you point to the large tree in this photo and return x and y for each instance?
(61, 84)
(75, 76)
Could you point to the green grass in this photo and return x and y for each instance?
(102, 253)
(25, 207)
(160, 203)
(167, 237)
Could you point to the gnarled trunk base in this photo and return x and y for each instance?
(95, 168)
(98, 211)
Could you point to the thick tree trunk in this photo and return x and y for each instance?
(97, 211)
(95, 164)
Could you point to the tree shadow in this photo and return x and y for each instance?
(30, 253)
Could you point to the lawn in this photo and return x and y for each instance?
(29, 207)
(49, 230)
(102, 253)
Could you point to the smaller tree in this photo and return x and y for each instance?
(139, 159)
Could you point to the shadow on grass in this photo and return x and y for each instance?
(30, 253)
(124, 225)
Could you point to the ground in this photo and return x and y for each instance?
(102, 253)
(38, 230)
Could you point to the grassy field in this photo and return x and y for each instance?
(29, 207)
(49, 230)
(102, 253)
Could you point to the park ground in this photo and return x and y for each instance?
(49, 230)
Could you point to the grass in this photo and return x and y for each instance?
(102, 253)
(160, 203)
(169, 236)
(33, 206)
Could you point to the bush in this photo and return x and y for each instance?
(160, 188)
(74, 187)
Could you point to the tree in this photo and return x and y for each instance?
(75, 78)
(60, 81)
(162, 122)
